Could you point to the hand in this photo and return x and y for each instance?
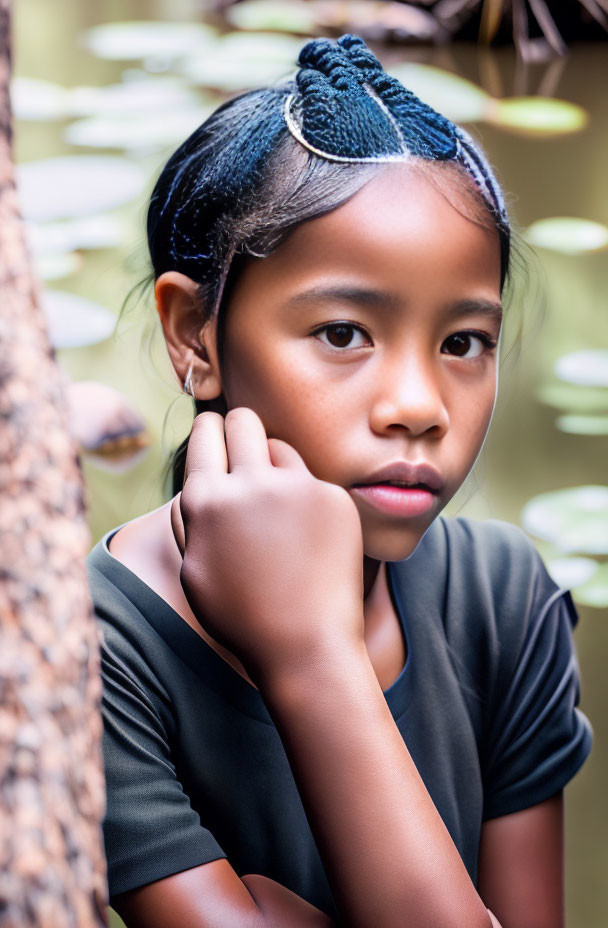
(272, 556)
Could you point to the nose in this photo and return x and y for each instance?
(410, 396)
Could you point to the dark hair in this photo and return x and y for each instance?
(241, 182)
(226, 194)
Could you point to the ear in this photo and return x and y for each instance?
(188, 339)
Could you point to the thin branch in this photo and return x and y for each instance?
(551, 78)
(491, 15)
(453, 13)
(520, 27)
(598, 10)
(547, 24)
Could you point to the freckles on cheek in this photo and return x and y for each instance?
(476, 406)
(476, 426)
(282, 408)
(297, 400)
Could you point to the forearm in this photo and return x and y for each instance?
(213, 896)
(388, 856)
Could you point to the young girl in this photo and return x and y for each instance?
(324, 703)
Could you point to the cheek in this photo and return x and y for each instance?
(472, 417)
(290, 404)
(309, 425)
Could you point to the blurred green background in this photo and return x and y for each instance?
(124, 82)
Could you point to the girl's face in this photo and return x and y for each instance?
(367, 339)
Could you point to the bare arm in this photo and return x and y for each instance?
(521, 866)
(291, 609)
(213, 896)
(388, 855)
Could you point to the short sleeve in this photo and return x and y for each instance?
(538, 736)
(150, 829)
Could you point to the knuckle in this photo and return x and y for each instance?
(207, 497)
(191, 573)
(194, 497)
(334, 496)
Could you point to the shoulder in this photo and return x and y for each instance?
(133, 654)
(498, 561)
(492, 546)
(503, 600)
(130, 564)
(477, 573)
(117, 602)
(147, 547)
(497, 599)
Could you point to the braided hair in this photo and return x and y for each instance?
(269, 159)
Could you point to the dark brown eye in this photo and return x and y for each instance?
(342, 335)
(464, 345)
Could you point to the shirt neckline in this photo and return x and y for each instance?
(204, 660)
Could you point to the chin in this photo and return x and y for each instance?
(395, 545)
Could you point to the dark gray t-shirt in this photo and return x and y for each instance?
(486, 703)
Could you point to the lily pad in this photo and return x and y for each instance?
(567, 234)
(569, 572)
(573, 520)
(583, 425)
(587, 368)
(134, 97)
(587, 579)
(574, 398)
(75, 322)
(76, 185)
(229, 77)
(128, 41)
(595, 591)
(39, 101)
(538, 116)
(136, 133)
(293, 16)
(266, 45)
(54, 238)
(455, 97)
(244, 60)
(56, 266)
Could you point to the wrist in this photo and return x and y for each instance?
(325, 668)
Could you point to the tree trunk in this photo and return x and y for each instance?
(52, 868)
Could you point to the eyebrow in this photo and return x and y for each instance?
(484, 307)
(373, 299)
(379, 299)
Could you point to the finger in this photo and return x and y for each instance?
(207, 446)
(177, 524)
(246, 440)
(283, 454)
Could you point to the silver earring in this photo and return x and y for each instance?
(188, 388)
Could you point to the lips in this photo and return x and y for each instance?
(404, 473)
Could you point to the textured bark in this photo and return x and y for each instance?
(52, 868)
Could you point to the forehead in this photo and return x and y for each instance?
(404, 226)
